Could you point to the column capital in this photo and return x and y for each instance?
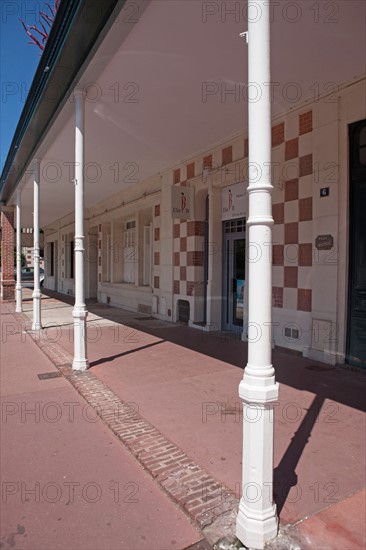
(79, 93)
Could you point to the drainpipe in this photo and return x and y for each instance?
(257, 519)
(18, 287)
(36, 325)
(80, 312)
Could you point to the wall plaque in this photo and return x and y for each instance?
(324, 242)
(233, 201)
(182, 202)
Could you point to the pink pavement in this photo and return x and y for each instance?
(185, 383)
(67, 482)
(338, 527)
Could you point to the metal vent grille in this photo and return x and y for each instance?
(47, 375)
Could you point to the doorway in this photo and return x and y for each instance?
(356, 334)
(55, 261)
(233, 274)
(93, 263)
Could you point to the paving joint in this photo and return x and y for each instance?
(206, 501)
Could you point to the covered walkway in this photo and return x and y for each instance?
(183, 383)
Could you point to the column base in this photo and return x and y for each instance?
(257, 520)
(255, 530)
(80, 362)
(81, 365)
(254, 391)
(18, 292)
(36, 325)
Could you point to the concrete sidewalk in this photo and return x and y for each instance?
(180, 385)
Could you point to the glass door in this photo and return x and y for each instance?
(234, 274)
(356, 337)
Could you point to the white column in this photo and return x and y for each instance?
(36, 325)
(80, 312)
(257, 519)
(18, 287)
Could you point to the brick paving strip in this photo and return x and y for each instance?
(207, 502)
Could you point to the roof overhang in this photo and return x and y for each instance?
(77, 32)
(190, 69)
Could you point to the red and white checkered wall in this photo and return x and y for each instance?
(292, 212)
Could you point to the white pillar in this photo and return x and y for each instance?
(257, 519)
(36, 325)
(18, 287)
(80, 312)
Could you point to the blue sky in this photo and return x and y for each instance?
(19, 62)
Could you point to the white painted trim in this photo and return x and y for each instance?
(36, 325)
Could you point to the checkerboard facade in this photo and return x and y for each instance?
(292, 212)
(188, 251)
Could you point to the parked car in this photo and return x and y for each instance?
(27, 276)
